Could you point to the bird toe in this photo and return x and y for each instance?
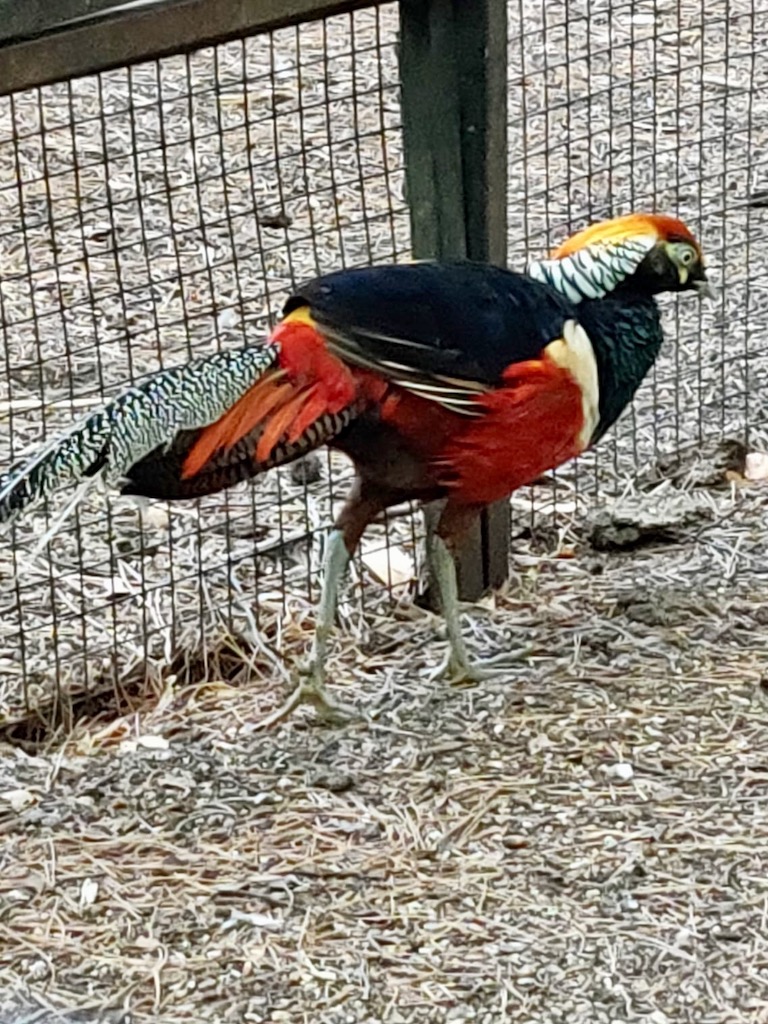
(468, 673)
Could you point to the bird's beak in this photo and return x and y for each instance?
(704, 288)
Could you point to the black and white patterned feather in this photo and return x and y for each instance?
(108, 442)
(594, 271)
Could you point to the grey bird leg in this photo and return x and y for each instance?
(363, 505)
(443, 572)
(457, 665)
(312, 686)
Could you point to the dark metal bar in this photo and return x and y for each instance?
(453, 70)
(46, 43)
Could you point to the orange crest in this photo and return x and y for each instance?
(631, 225)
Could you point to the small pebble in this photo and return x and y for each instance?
(622, 770)
(334, 781)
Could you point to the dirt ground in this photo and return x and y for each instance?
(581, 839)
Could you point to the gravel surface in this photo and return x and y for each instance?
(579, 840)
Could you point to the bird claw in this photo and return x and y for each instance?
(310, 690)
(462, 671)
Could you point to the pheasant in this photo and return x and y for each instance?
(452, 381)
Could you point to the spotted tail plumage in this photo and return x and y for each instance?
(146, 418)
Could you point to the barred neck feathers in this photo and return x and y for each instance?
(626, 338)
(596, 270)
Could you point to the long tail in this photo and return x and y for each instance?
(198, 428)
(164, 473)
(148, 416)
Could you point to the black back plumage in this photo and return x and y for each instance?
(462, 319)
(471, 321)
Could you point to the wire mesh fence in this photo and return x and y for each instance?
(624, 106)
(149, 214)
(154, 212)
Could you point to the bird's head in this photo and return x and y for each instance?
(639, 253)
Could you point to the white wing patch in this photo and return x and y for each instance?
(575, 354)
(595, 270)
(462, 400)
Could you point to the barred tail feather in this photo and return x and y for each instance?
(148, 416)
(162, 474)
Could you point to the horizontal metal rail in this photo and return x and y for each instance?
(42, 42)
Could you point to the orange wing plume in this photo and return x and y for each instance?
(628, 226)
(250, 410)
(279, 423)
(308, 384)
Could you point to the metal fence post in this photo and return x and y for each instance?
(453, 70)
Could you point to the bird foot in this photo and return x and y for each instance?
(332, 712)
(462, 671)
(310, 690)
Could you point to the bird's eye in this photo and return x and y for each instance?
(687, 256)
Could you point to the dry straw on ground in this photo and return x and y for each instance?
(580, 841)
